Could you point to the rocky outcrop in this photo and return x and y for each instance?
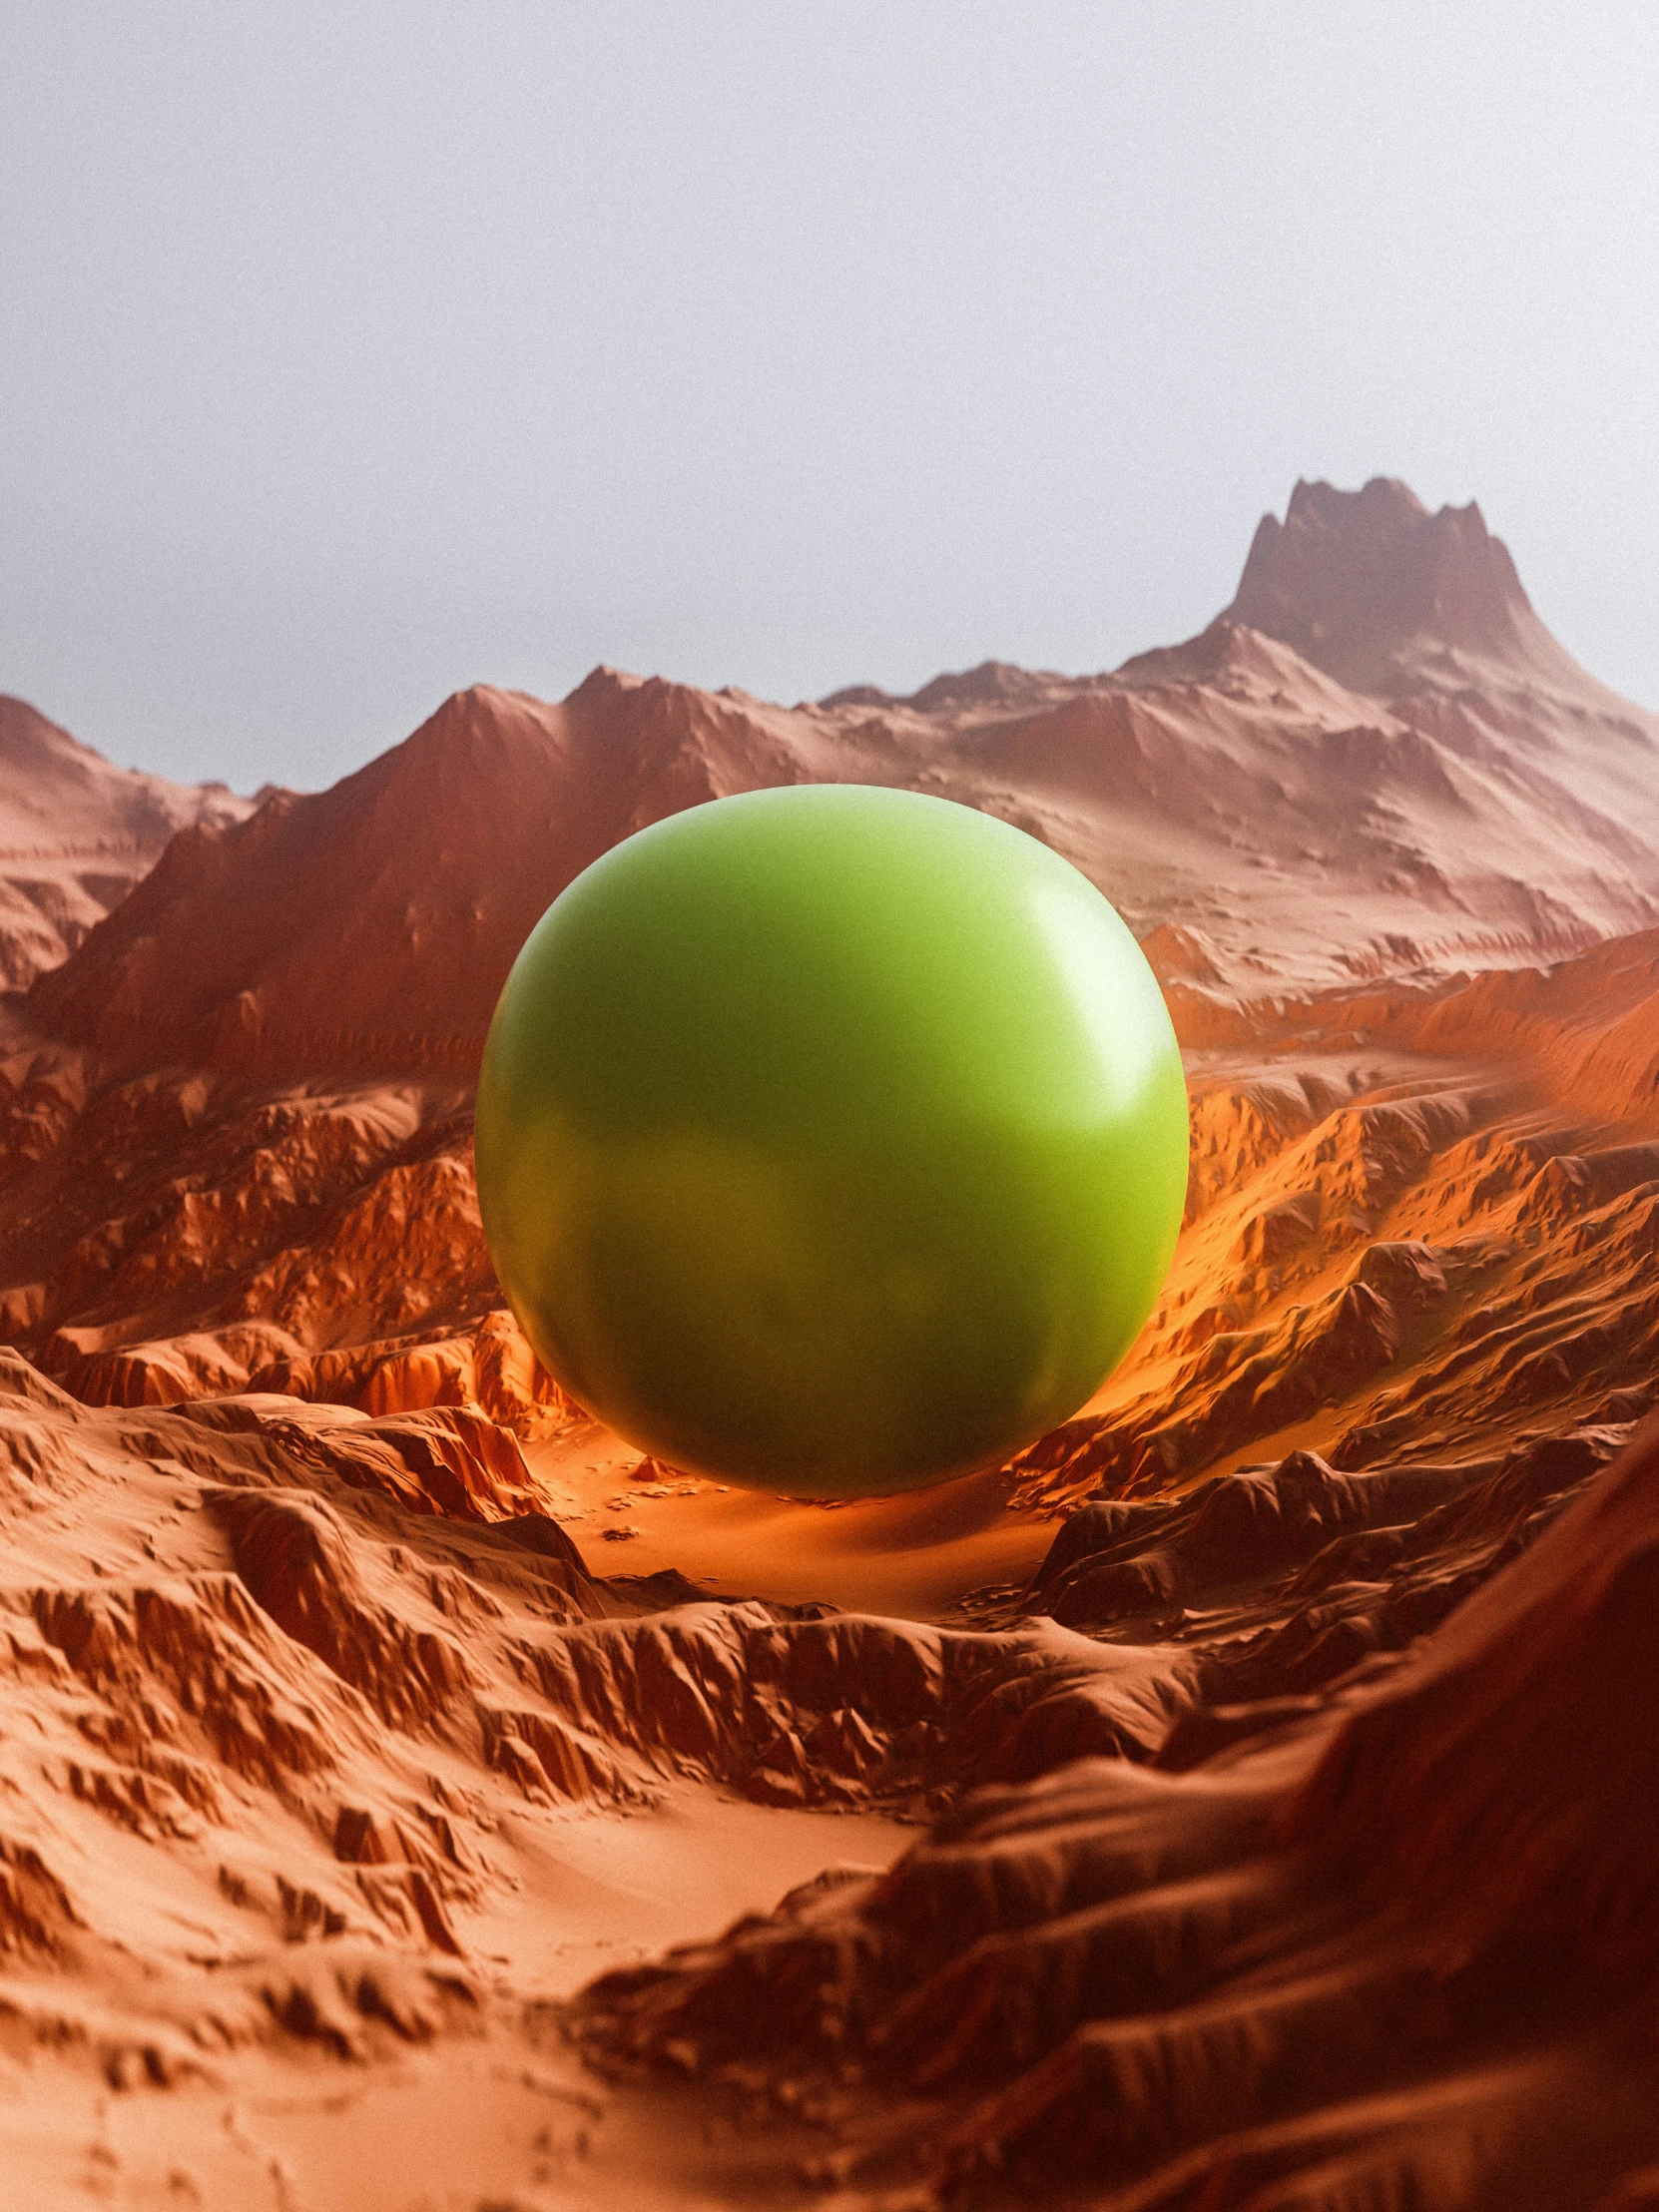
(1397, 1946)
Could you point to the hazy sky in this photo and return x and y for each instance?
(350, 354)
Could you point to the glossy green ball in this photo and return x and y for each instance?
(831, 1140)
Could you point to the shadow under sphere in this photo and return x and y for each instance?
(831, 1140)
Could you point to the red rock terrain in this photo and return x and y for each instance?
(75, 834)
(1242, 1800)
(1259, 824)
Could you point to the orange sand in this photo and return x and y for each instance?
(1263, 1762)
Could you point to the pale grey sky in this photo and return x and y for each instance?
(353, 352)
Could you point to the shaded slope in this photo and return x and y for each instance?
(1398, 1952)
(375, 921)
(75, 834)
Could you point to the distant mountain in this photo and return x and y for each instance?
(1366, 584)
(991, 684)
(75, 834)
(1262, 823)
(375, 921)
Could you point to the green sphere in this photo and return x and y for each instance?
(831, 1140)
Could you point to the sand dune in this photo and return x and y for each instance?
(1242, 1800)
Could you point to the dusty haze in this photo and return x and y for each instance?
(355, 355)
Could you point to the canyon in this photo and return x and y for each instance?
(409, 1795)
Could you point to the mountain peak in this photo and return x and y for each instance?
(1355, 580)
(1380, 501)
(75, 834)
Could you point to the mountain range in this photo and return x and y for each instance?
(1242, 1801)
(1376, 761)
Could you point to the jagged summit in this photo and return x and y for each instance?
(1371, 586)
(991, 684)
(1362, 582)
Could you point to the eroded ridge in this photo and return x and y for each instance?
(1397, 1948)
